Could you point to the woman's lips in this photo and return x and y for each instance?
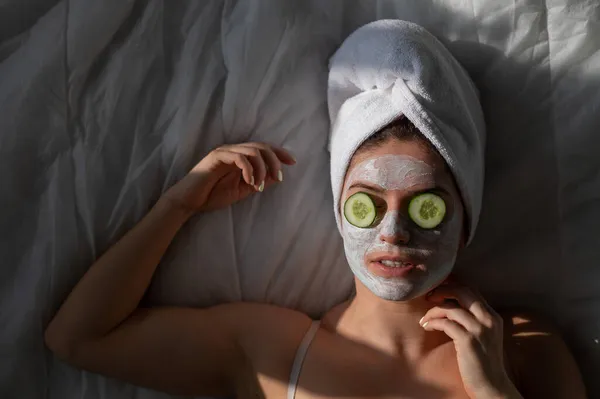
(382, 270)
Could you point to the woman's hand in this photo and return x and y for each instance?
(229, 174)
(477, 332)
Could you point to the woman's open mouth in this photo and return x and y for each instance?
(393, 263)
(390, 268)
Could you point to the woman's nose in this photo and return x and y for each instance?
(393, 228)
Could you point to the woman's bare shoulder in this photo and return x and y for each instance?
(264, 329)
(536, 352)
(269, 337)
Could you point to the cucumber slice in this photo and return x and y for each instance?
(427, 210)
(359, 210)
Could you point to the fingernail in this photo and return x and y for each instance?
(280, 175)
(252, 180)
(420, 321)
(261, 187)
(425, 324)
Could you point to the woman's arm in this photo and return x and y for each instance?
(183, 351)
(113, 287)
(99, 328)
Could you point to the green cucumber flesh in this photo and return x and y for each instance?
(359, 210)
(427, 210)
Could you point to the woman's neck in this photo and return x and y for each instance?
(389, 326)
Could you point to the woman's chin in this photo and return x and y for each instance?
(396, 293)
(399, 285)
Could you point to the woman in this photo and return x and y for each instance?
(403, 210)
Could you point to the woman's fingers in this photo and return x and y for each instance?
(266, 161)
(261, 163)
(450, 327)
(284, 155)
(254, 156)
(468, 300)
(271, 160)
(239, 160)
(456, 314)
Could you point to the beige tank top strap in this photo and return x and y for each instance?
(299, 359)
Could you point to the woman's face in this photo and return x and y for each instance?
(395, 258)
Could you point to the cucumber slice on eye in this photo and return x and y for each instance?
(427, 210)
(359, 210)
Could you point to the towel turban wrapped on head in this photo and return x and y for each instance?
(391, 68)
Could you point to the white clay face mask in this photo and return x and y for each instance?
(431, 252)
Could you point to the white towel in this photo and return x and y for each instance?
(390, 68)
